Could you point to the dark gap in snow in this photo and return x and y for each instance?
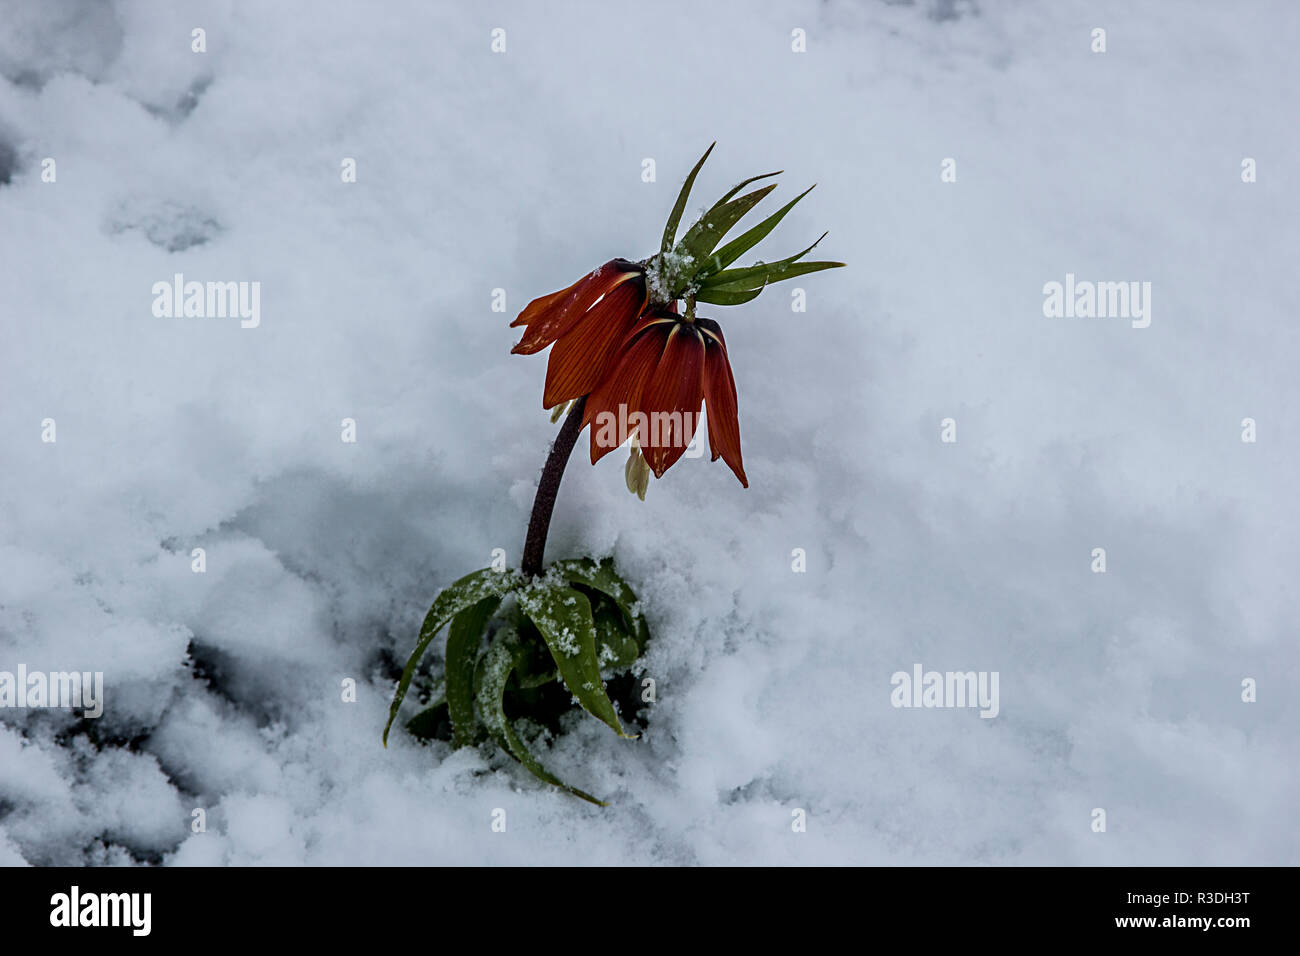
(768, 789)
(168, 224)
(624, 691)
(8, 162)
(184, 105)
(381, 660)
(741, 794)
(93, 730)
(26, 79)
(138, 855)
(223, 674)
(432, 723)
(82, 37)
(942, 11)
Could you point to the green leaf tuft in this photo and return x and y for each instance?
(469, 590)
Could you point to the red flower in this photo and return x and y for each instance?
(586, 322)
(667, 367)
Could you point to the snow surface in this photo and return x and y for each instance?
(522, 171)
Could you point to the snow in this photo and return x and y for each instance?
(522, 171)
(666, 274)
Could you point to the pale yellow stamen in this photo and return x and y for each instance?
(637, 471)
(560, 409)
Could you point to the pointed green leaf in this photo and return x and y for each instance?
(755, 274)
(773, 273)
(728, 296)
(736, 280)
(700, 239)
(468, 591)
(493, 675)
(462, 654)
(741, 244)
(563, 616)
(741, 185)
(670, 230)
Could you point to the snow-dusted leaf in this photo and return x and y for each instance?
(616, 641)
(601, 576)
(563, 616)
(670, 228)
(462, 655)
(469, 590)
(493, 674)
(534, 665)
(622, 637)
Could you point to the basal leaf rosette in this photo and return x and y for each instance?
(510, 634)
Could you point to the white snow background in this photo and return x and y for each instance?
(522, 171)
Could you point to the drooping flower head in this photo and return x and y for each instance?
(645, 367)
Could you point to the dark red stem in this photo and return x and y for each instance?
(549, 486)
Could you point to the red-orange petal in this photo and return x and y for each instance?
(676, 390)
(720, 397)
(552, 322)
(582, 357)
(623, 387)
(649, 318)
(533, 310)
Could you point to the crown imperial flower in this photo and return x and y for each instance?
(619, 341)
